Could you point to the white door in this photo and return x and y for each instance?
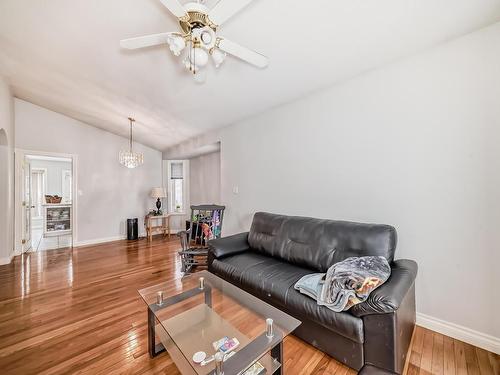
(27, 205)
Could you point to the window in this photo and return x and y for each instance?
(176, 186)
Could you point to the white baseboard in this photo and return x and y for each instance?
(97, 241)
(459, 332)
(6, 260)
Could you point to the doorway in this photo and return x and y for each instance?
(45, 203)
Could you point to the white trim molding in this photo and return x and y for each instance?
(459, 332)
(6, 260)
(97, 241)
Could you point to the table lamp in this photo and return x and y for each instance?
(158, 193)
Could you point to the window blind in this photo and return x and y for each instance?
(176, 171)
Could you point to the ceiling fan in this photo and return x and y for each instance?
(199, 36)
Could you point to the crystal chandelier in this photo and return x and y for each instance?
(129, 158)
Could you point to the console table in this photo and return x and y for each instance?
(152, 225)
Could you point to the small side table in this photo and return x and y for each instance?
(162, 227)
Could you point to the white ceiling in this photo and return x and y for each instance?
(65, 56)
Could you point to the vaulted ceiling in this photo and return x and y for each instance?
(65, 55)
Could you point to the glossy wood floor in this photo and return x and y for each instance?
(78, 312)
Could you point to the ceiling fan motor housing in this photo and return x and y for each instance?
(198, 18)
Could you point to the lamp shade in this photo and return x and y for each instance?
(158, 192)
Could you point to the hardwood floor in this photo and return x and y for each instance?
(78, 312)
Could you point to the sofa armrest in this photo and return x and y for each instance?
(388, 297)
(230, 245)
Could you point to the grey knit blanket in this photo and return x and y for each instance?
(346, 283)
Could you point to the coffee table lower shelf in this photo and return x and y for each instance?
(272, 365)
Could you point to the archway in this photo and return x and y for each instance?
(4, 189)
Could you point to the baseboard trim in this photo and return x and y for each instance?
(6, 260)
(97, 241)
(459, 332)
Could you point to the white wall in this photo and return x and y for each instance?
(204, 182)
(6, 172)
(415, 145)
(54, 174)
(108, 193)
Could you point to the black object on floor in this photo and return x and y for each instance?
(132, 229)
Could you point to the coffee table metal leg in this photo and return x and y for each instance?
(208, 296)
(154, 349)
(277, 354)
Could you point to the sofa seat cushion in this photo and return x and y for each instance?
(273, 280)
(230, 268)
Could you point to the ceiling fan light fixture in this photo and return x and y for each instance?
(198, 57)
(218, 57)
(176, 44)
(199, 35)
(206, 37)
(200, 76)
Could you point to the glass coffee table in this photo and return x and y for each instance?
(188, 315)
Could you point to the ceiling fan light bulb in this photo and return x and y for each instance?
(206, 37)
(218, 56)
(199, 57)
(200, 76)
(176, 44)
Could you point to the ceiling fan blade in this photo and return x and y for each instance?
(175, 7)
(243, 53)
(145, 41)
(225, 9)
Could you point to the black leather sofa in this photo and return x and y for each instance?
(279, 250)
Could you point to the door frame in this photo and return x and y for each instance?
(19, 157)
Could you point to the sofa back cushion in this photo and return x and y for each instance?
(319, 243)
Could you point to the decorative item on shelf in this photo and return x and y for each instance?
(129, 158)
(153, 213)
(178, 208)
(158, 193)
(51, 199)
